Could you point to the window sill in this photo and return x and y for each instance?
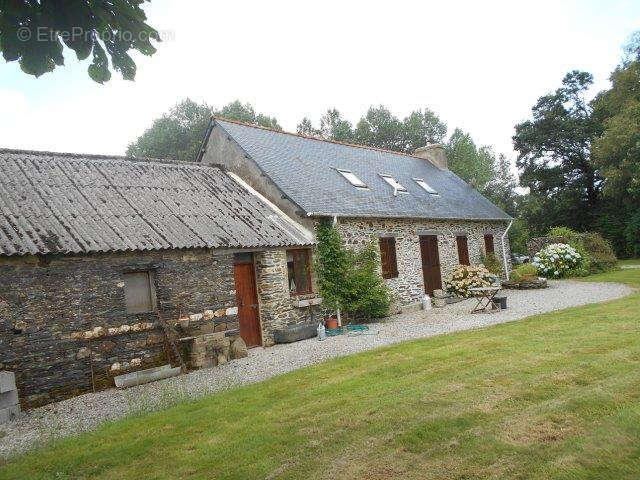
(306, 302)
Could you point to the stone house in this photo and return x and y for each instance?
(92, 248)
(424, 217)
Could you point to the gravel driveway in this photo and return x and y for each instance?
(89, 410)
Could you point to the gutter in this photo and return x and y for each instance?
(504, 251)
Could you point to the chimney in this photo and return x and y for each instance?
(433, 152)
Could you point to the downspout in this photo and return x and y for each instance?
(333, 224)
(504, 251)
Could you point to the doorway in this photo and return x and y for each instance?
(430, 263)
(247, 299)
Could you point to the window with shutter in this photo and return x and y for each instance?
(388, 260)
(139, 294)
(299, 270)
(488, 244)
(463, 250)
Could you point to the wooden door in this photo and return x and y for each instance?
(247, 302)
(430, 263)
(463, 250)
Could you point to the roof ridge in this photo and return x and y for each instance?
(97, 156)
(309, 137)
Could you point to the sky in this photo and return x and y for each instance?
(479, 65)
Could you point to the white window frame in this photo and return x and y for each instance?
(426, 187)
(395, 184)
(352, 178)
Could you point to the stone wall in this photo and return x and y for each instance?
(408, 287)
(278, 308)
(48, 304)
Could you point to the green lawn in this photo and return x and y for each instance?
(630, 261)
(554, 396)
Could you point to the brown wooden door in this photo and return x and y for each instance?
(247, 301)
(463, 250)
(430, 263)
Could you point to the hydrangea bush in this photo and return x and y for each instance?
(465, 277)
(556, 260)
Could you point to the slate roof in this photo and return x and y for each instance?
(305, 170)
(69, 203)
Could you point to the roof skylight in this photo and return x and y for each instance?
(352, 178)
(397, 186)
(426, 186)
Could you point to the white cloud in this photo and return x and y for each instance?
(479, 65)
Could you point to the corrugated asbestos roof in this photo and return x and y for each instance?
(70, 203)
(305, 169)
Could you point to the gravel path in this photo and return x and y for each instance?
(89, 410)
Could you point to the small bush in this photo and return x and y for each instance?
(370, 296)
(557, 260)
(524, 273)
(572, 238)
(602, 256)
(491, 263)
(596, 252)
(465, 277)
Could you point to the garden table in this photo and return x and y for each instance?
(485, 295)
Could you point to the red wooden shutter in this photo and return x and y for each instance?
(393, 262)
(384, 257)
(463, 250)
(388, 260)
(488, 243)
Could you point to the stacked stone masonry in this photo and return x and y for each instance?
(48, 304)
(408, 287)
(278, 307)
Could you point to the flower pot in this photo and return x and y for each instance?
(331, 323)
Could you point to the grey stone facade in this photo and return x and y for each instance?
(408, 287)
(48, 304)
(64, 326)
(278, 308)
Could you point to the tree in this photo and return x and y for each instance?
(332, 265)
(178, 134)
(34, 33)
(245, 113)
(305, 127)
(474, 165)
(380, 128)
(421, 128)
(332, 127)
(616, 153)
(554, 156)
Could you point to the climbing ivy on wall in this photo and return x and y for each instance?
(349, 280)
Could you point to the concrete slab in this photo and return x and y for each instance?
(7, 381)
(8, 399)
(146, 376)
(9, 413)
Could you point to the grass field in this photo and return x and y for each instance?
(553, 396)
(630, 261)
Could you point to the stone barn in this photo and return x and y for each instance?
(424, 217)
(94, 248)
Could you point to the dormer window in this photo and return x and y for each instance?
(425, 186)
(352, 179)
(397, 186)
